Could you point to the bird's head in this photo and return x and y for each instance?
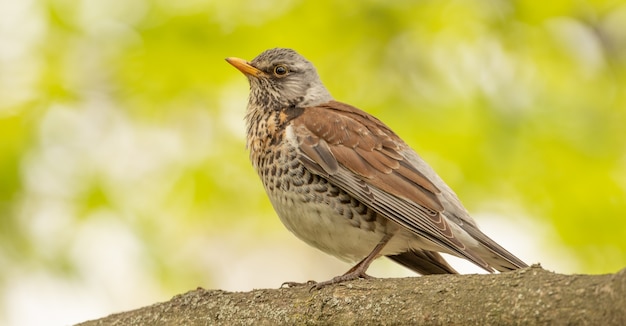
(282, 78)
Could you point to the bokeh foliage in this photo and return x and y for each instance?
(121, 120)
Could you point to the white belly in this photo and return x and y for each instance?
(321, 226)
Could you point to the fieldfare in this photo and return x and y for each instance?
(345, 183)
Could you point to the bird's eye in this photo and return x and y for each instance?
(280, 70)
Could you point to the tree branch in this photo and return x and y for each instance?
(530, 296)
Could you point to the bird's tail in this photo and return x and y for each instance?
(494, 254)
(423, 262)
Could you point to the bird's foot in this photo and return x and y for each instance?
(356, 272)
(350, 276)
(297, 284)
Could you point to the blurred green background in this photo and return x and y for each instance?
(123, 174)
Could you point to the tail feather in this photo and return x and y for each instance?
(423, 262)
(493, 253)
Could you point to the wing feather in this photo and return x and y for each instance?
(362, 156)
(317, 150)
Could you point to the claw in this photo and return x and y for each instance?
(351, 276)
(297, 284)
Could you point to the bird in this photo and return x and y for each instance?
(343, 182)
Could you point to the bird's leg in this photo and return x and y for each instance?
(357, 271)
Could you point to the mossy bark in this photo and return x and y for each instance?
(530, 296)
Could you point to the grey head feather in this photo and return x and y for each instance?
(300, 86)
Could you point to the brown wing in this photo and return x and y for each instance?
(361, 155)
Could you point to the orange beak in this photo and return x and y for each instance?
(243, 66)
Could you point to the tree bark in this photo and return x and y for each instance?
(530, 296)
